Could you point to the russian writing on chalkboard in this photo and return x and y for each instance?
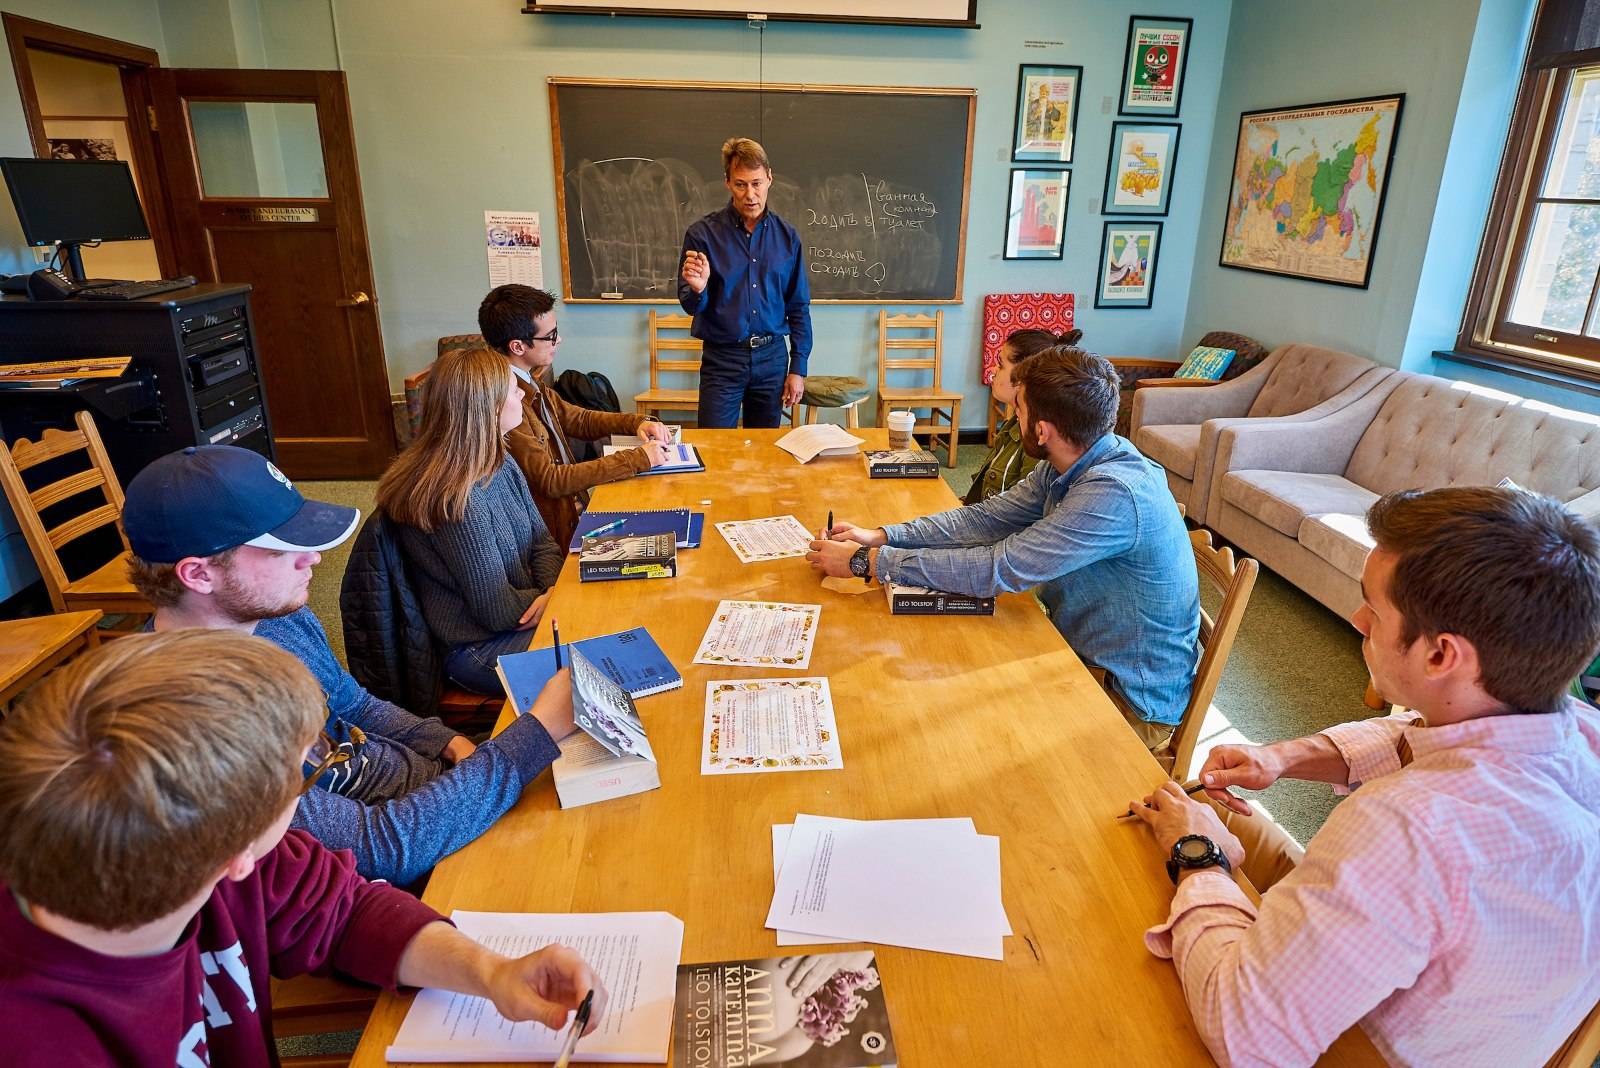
(882, 215)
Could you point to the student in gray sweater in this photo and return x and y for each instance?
(481, 560)
(221, 539)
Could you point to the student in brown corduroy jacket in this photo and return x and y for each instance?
(519, 322)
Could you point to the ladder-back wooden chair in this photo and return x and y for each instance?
(659, 398)
(107, 587)
(318, 1005)
(1234, 580)
(924, 334)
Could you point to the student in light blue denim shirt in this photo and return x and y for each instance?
(1094, 527)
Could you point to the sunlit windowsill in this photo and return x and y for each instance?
(1582, 381)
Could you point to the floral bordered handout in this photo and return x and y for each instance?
(769, 634)
(769, 725)
(776, 538)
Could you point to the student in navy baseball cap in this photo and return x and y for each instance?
(207, 499)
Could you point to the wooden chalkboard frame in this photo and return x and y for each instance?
(555, 84)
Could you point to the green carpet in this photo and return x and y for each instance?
(1295, 667)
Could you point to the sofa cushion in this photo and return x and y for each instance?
(1173, 447)
(1340, 538)
(1305, 376)
(1283, 499)
(1432, 432)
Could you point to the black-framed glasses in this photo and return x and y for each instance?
(553, 336)
(332, 754)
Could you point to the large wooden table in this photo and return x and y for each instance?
(992, 718)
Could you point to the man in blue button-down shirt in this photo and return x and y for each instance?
(744, 281)
(1094, 527)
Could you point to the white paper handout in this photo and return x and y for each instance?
(635, 954)
(917, 883)
(769, 725)
(768, 634)
(511, 241)
(989, 946)
(806, 443)
(776, 538)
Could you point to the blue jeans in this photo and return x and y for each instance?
(471, 666)
(737, 376)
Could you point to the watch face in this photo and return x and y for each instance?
(1194, 848)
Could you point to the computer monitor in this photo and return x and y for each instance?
(70, 202)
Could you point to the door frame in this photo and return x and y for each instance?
(135, 63)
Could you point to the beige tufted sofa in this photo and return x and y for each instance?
(1178, 428)
(1295, 494)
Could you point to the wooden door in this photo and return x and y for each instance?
(260, 166)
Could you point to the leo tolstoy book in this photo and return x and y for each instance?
(627, 557)
(902, 463)
(820, 1010)
(919, 601)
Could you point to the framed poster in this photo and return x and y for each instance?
(1139, 175)
(1036, 214)
(1047, 113)
(1308, 189)
(1153, 66)
(1128, 254)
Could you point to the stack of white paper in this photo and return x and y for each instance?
(635, 954)
(923, 884)
(806, 443)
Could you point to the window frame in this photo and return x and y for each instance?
(1486, 330)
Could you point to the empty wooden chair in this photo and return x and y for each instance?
(924, 334)
(659, 398)
(107, 587)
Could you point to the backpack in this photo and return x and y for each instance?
(588, 390)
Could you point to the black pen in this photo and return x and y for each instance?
(580, 1020)
(826, 534)
(555, 635)
(1192, 788)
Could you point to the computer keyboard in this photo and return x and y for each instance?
(137, 290)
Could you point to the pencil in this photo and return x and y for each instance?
(1189, 788)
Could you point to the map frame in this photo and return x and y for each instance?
(1381, 179)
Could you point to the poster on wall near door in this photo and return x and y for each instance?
(511, 241)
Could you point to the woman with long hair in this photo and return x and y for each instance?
(1007, 464)
(481, 560)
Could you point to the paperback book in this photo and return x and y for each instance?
(685, 526)
(609, 755)
(919, 601)
(902, 463)
(822, 1010)
(628, 556)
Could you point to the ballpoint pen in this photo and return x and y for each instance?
(828, 533)
(1188, 788)
(580, 1020)
(613, 525)
(555, 635)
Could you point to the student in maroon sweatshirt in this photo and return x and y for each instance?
(148, 887)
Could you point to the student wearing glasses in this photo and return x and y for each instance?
(519, 322)
(151, 885)
(222, 540)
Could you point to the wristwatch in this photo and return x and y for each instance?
(861, 563)
(1194, 851)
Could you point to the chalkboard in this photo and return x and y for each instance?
(874, 179)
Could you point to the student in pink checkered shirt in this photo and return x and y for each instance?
(1450, 906)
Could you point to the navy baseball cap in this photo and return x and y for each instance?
(210, 498)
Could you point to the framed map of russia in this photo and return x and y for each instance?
(1308, 189)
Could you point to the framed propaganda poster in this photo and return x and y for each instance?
(1153, 66)
(1036, 214)
(1128, 253)
(1308, 189)
(1139, 175)
(1047, 114)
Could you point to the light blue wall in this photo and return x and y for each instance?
(452, 118)
(1279, 56)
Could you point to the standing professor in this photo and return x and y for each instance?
(744, 281)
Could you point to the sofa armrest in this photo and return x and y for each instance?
(1586, 506)
(1219, 400)
(1311, 446)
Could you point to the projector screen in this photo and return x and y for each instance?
(923, 12)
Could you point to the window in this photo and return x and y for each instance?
(1535, 297)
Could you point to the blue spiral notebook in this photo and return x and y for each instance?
(687, 526)
(630, 657)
